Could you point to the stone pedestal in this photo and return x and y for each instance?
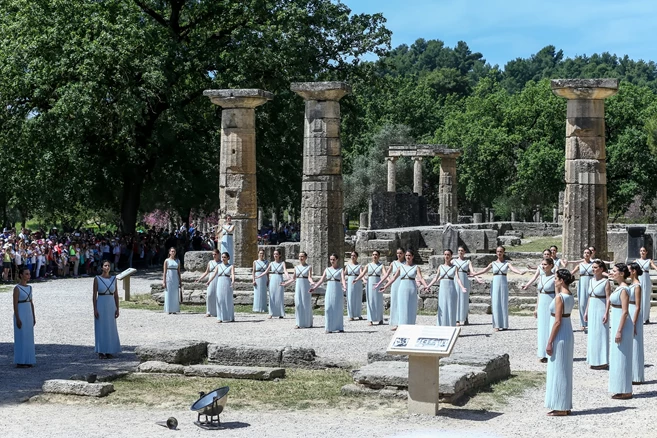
(513, 216)
(392, 174)
(491, 215)
(417, 175)
(237, 166)
(447, 191)
(322, 231)
(423, 386)
(585, 199)
(477, 218)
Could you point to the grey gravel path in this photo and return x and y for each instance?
(64, 337)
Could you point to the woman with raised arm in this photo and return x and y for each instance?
(622, 329)
(547, 254)
(352, 272)
(260, 283)
(558, 263)
(303, 305)
(106, 310)
(447, 292)
(560, 347)
(225, 279)
(211, 291)
(334, 298)
(646, 284)
(546, 291)
(499, 289)
(226, 236)
(373, 295)
(408, 275)
(277, 275)
(585, 269)
(172, 283)
(24, 322)
(636, 313)
(464, 267)
(596, 317)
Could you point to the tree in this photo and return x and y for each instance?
(113, 85)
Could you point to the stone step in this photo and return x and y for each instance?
(235, 372)
(77, 387)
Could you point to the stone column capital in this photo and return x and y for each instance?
(417, 158)
(392, 159)
(238, 98)
(321, 90)
(584, 89)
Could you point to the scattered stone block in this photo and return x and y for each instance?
(496, 366)
(235, 372)
(154, 366)
(382, 356)
(77, 387)
(378, 375)
(197, 260)
(457, 380)
(244, 355)
(431, 304)
(394, 393)
(298, 356)
(180, 352)
(509, 240)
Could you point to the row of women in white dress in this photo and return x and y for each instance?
(106, 311)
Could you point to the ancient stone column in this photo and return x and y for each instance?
(585, 199)
(261, 215)
(513, 216)
(322, 200)
(477, 218)
(447, 190)
(417, 175)
(364, 222)
(392, 174)
(237, 166)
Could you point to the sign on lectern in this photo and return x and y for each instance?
(424, 345)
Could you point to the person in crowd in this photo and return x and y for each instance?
(373, 295)
(585, 269)
(260, 283)
(546, 291)
(24, 322)
(106, 311)
(622, 330)
(225, 279)
(172, 283)
(211, 291)
(597, 318)
(334, 298)
(646, 265)
(447, 292)
(560, 347)
(277, 275)
(303, 305)
(351, 272)
(500, 288)
(636, 313)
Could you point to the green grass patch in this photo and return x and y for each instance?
(500, 393)
(6, 288)
(146, 303)
(536, 244)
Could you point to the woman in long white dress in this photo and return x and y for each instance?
(447, 292)
(352, 272)
(465, 269)
(409, 275)
(646, 283)
(277, 276)
(24, 321)
(394, 290)
(226, 235)
(546, 290)
(303, 304)
(260, 283)
(224, 276)
(374, 298)
(211, 291)
(172, 283)
(106, 310)
(334, 297)
(597, 318)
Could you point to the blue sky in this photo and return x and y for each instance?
(503, 30)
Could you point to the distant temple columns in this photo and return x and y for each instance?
(447, 189)
(585, 199)
(322, 201)
(237, 167)
(392, 174)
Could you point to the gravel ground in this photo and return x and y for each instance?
(64, 337)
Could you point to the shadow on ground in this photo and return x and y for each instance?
(55, 361)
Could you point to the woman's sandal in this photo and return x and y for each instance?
(543, 360)
(621, 396)
(557, 413)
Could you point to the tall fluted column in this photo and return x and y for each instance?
(447, 190)
(392, 174)
(417, 175)
(322, 199)
(237, 167)
(585, 199)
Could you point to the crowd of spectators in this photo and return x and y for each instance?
(73, 253)
(287, 232)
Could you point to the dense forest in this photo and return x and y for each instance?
(103, 117)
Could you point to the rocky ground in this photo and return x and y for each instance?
(64, 337)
